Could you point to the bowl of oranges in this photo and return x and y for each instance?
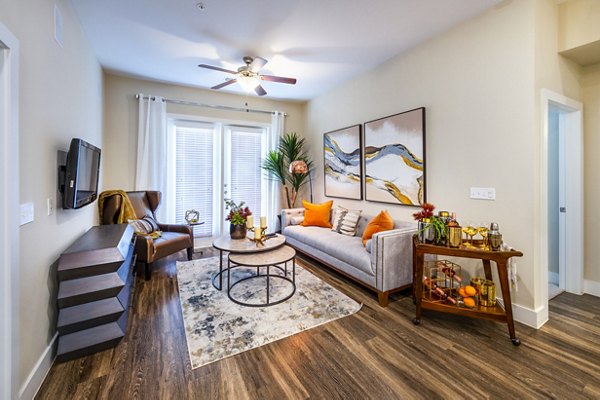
(468, 293)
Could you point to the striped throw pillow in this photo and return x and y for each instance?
(344, 221)
(144, 226)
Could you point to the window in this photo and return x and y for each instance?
(212, 161)
(245, 153)
(194, 170)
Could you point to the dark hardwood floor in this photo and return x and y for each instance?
(376, 353)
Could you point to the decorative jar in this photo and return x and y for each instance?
(237, 231)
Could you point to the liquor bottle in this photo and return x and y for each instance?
(449, 272)
(454, 232)
(437, 291)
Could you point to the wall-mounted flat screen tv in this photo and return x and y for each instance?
(82, 170)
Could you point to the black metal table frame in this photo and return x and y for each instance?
(220, 273)
(268, 277)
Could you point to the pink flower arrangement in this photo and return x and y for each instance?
(426, 212)
(237, 213)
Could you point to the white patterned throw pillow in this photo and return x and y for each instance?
(344, 221)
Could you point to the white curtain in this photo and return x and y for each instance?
(274, 187)
(151, 168)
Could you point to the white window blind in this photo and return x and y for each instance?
(194, 145)
(245, 177)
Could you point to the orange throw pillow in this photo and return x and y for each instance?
(381, 222)
(317, 214)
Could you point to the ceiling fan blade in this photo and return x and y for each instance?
(217, 68)
(227, 83)
(257, 64)
(279, 79)
(260, 90)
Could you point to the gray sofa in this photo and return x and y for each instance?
(385, 265)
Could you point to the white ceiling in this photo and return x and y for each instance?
(322, 43)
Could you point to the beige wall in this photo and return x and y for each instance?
(579, 23)
(60, 98)
(591, 112)
(121, 118)
(560, 75)
(476, 82)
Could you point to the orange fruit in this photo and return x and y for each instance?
(469, 302)
(461, 292)
(470, 290)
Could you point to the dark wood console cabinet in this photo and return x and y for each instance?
(95, 283)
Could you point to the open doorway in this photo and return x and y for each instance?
(556, 202)
(562, 197)
(9, 211)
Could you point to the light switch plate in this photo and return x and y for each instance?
(58, 26)
(50, 205)
(480, 193)
(26, 213)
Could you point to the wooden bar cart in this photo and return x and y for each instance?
(474, 250)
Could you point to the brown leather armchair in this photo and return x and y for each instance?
(174, 238)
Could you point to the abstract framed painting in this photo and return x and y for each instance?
(342, 152)
(394, 158)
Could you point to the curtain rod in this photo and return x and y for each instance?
(218, 107)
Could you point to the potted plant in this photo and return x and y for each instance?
(431, 228)
(237, 217)
(290, 165)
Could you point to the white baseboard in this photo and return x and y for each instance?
(38, 373)
(553, 278)
(591, 287)
(527, 316)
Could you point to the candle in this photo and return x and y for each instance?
(263, 222)
(257, 233)
(249, 222)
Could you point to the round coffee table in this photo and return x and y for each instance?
(243, 246)
(267, 259)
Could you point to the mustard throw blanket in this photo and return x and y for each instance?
(125, 213)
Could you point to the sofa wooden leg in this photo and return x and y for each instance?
(190, 253)
(148, 270)
(383, 298)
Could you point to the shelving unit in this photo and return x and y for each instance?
(95, 283)
(500, 258)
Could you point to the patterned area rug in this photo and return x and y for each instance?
(217, 328)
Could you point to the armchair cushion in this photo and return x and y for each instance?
(144, 226)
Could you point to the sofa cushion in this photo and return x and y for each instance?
(381, 222)
(344, 221)
(348, 249)
(317, 214)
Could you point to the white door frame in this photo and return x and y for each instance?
(9, 211)
(571, 120)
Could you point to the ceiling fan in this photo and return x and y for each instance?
(248, 76)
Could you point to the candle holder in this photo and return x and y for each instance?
(262, 237)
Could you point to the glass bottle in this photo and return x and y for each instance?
(454, 232)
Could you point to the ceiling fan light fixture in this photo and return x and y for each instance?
(248, 83)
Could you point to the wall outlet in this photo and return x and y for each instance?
(483, 193)
(50, 205)
(26, 213)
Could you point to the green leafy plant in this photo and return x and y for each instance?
(289, 165)
(440, 229)
(237, 212)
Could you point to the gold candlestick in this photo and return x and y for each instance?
(259, 235)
